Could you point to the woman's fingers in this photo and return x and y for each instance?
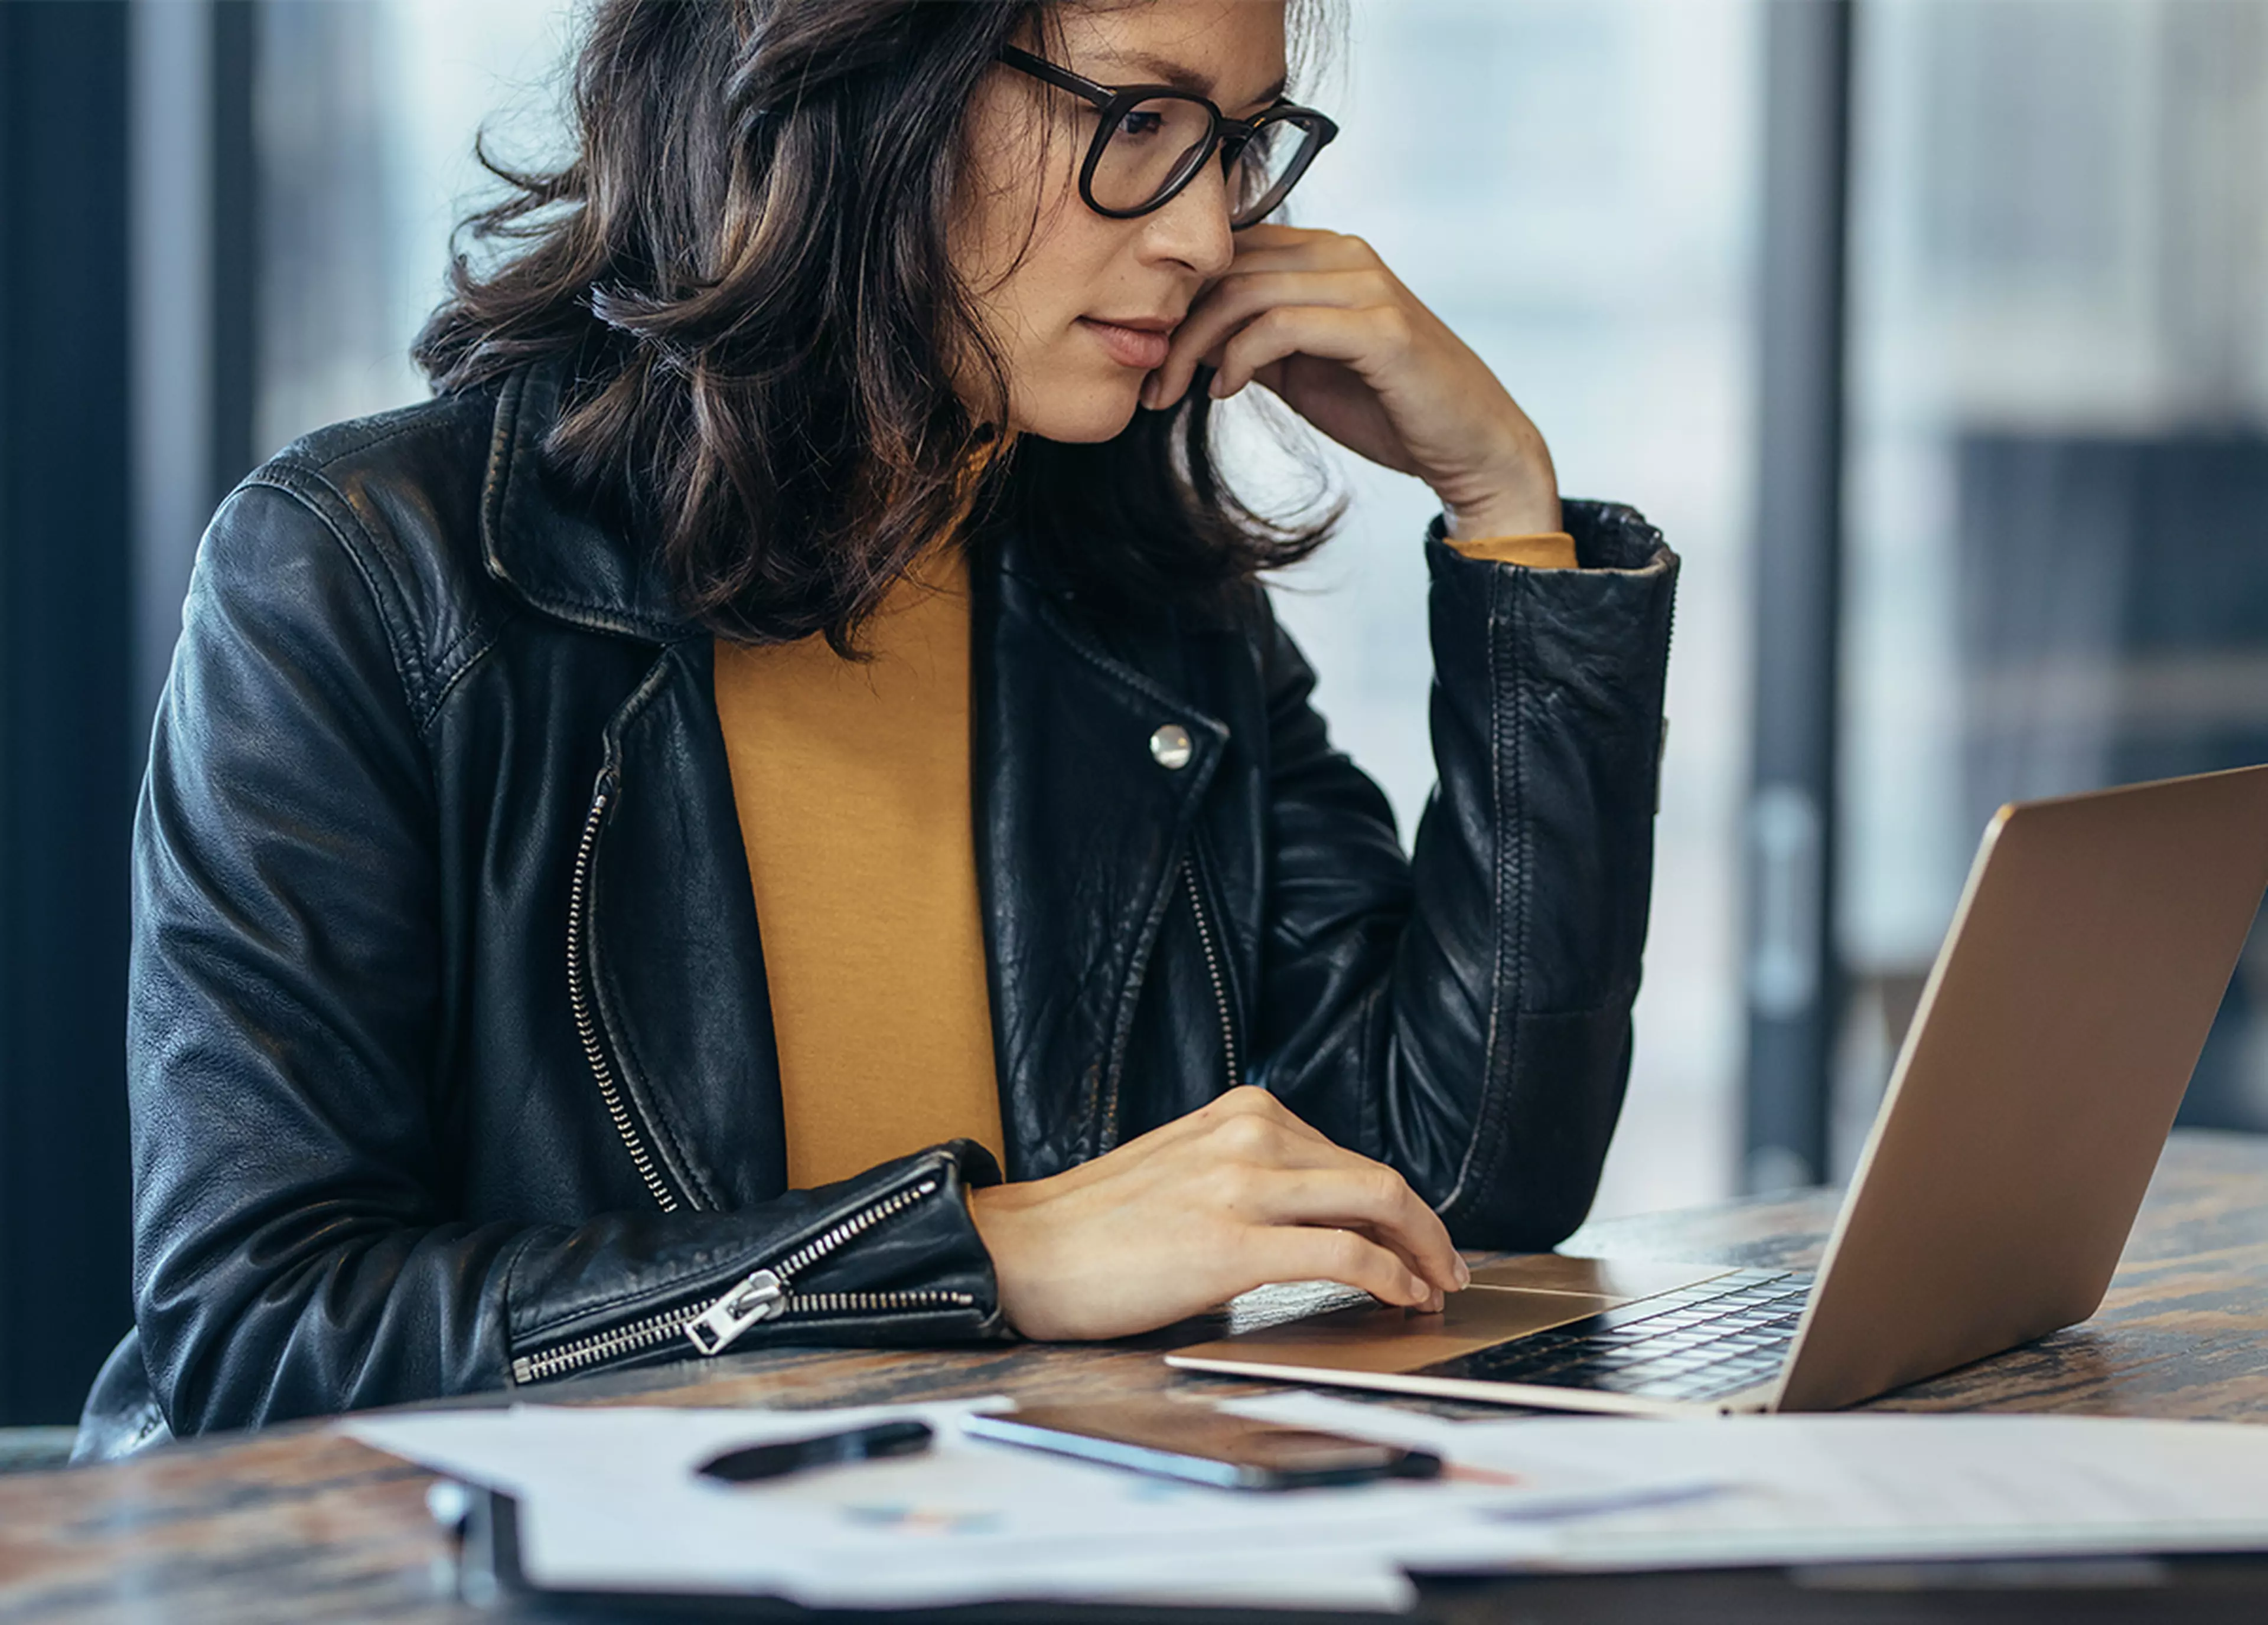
(1286, 1171)
(1372, 1197)
(1296, 1252)
(1359, 338)
(1241, 297)
(1440, 1294)
(1266, 246)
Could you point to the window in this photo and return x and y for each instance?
(2058, 543)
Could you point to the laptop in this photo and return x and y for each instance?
(2035, 1087)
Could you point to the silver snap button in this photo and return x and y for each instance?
(1170, 746)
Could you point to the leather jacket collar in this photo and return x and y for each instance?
(547, 549)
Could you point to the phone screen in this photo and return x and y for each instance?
(1205, 1446)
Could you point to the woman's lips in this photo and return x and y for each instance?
(1130, 346)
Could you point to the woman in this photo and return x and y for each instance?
(634, 846)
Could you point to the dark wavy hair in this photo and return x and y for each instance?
(744, 266)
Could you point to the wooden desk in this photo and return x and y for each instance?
(296, 1524)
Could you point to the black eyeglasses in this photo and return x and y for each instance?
(1153, 139)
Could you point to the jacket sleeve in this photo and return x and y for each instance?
(1465, 1015)
(297, 1250)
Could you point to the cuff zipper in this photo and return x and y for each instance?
(765, 1294)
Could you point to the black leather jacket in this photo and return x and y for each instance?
(449, 1050)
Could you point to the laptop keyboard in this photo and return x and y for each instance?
(1696, 1343)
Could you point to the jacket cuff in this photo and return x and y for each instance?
(1606, 536)
(891, 1256)
(932, 1247)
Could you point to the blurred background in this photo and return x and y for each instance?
(1934, 334)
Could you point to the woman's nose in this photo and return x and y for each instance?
(1193, 228)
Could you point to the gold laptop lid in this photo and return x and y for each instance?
(2038, 1081)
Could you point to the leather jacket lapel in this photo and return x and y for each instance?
(675, 963)
(1079, 830)
(665, 957)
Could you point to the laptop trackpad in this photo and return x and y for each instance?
(1394, 1339)
(1508, 1299)
(1620, 1279)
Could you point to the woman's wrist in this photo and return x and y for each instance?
(1523, 500)
(1519, 496)
(1529, 516)
(990, 1211)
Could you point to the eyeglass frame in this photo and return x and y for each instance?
(1115, 100)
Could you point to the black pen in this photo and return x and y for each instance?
(753, 1462)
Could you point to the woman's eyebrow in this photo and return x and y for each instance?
(1162, 70)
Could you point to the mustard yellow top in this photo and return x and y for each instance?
(852, 786)
(851, 782)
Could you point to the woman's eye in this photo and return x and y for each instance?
(1141, 122)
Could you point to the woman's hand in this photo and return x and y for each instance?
(1236, 1194)
(1318, 318)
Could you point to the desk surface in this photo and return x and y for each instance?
(295, 1523)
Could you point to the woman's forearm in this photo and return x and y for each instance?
(1467, 1019)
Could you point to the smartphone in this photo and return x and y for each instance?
(1202, 1444)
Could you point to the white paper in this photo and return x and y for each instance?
(1844, 1488)
(610, 1501)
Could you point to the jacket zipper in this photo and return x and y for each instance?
(763, 1294)
(1212, 969)
(1107, 1135)
(579, 976)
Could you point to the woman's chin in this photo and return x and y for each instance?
(1090, 416)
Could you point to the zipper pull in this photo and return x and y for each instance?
(757, 1299)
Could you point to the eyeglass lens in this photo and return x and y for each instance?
(1154, 145)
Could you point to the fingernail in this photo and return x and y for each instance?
(1218, 389)
(1464, 1275)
